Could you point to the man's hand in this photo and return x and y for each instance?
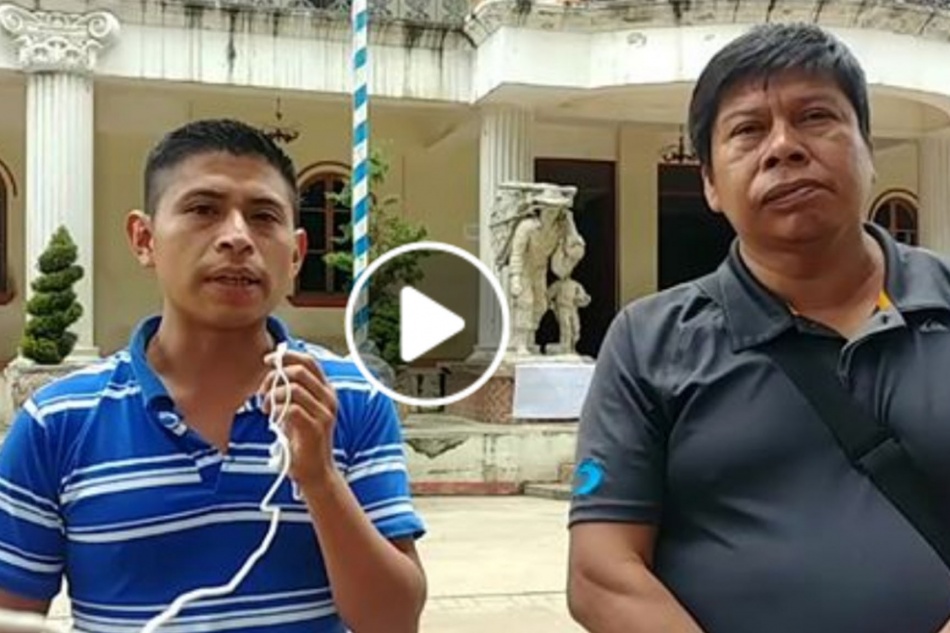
(378, 585)
(309, 420)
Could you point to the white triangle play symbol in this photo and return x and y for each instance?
(423, 324)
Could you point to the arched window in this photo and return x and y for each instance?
(896, 211)
(324, 220)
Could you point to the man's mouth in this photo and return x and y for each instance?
(791, 191)
(235, 281)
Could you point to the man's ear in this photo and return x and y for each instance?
(709, 190)
(138, 230)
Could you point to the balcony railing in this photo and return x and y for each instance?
(442, 12)
(452, 13)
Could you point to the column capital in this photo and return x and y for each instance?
(56, 41)
(501, 107)
(939, 135)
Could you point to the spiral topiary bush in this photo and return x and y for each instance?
(53, 307)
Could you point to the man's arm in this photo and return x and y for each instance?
(610, 586)
(375, 576)
(361, 561)
(13, 602)
(620, 486)
(31, 529)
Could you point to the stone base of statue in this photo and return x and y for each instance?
(525, 389)
(491, 403)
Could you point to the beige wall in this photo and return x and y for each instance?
(896, 169)
(12, 154)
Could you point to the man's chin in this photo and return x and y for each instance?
(805, 227)
(229, 317)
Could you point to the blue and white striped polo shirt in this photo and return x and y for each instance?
(101, 481)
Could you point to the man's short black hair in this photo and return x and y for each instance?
(213, 135)
(764, 51)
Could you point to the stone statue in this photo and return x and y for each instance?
(533, 231)
(566, 297)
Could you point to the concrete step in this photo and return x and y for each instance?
(449, 455)
(560, 492)
(565, 473)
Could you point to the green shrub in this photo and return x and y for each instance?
(387, 230)
(53, 307)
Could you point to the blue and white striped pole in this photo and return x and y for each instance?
(360, 178)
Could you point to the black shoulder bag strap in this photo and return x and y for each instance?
(870, 446)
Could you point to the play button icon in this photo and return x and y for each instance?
(419, 326)
(423, 324)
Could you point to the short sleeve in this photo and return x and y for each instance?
(376, 468)
(620, 458)
(32, 541)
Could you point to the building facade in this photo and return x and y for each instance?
(463, 97)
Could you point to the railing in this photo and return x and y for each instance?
(442, 12)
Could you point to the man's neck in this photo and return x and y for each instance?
(834, 276)
(191, 355)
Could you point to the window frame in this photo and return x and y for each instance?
(884, 203)
(317, 171)
(8, 191)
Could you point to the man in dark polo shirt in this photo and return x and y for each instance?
(711, 496)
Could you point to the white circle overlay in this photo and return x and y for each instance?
(451, 250)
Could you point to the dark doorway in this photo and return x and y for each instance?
(693, 240)
(595, 213)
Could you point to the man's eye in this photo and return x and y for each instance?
(744, 129)
(818, 114)
(266, 216)
(201, 209)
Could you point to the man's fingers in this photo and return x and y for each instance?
(293, 358)
(321, 404)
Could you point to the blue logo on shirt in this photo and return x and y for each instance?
(588, 475)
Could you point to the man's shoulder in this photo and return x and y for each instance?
(916, 257)
(342, 372)
(685, 305)
(85, 384)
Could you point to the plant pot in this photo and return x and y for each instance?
(25, 377)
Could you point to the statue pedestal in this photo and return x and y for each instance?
(524, 389)
(492, 403)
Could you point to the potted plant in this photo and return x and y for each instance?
(47, 340)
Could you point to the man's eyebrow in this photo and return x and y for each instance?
(202, 192)
(264, 198)
(209, 192)
(740, 113)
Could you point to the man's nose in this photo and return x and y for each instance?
(784, 146)
(235, 233)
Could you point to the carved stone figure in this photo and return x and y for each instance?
(566, 297)
(532, 231)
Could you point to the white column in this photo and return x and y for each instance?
(933, 174)
(505, 155)
(58, 51)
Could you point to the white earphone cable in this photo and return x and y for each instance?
(280, 458)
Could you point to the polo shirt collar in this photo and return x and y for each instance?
(154, 393)
(754, 315)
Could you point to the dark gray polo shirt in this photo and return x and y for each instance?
(764, 526)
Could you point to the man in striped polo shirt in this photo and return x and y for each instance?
(139, 478)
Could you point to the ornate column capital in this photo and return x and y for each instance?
(56, 41)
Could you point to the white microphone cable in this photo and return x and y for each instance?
(280, 458)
